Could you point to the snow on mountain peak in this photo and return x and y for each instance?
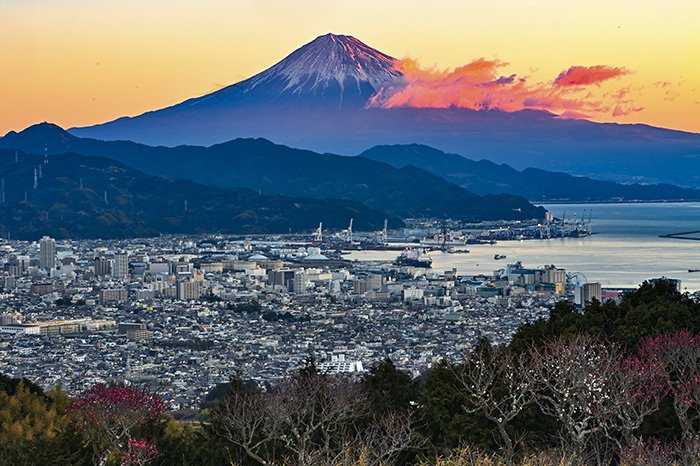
(334, 57)
(338, 68)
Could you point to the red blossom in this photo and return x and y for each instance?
(653, 452)
(678, 356)
(140, 452)
(117, 401)
(107, 415)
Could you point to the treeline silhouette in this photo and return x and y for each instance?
(616, 384)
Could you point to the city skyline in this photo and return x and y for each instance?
(79, 63)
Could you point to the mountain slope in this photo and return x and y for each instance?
(262, 165)
(484, 177)
(335, 70)
(317, 98)
(88, 197)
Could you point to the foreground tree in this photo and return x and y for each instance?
(34, 426)
(389, 389)
(678, 356)
(653, 309)
(653, 452)
(573, 381)
(496, 384)
(311, 419)
(636, 390)
(108, 415)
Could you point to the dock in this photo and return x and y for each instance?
(683, 235)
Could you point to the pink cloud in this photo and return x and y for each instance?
(587, 75)
(481, 85)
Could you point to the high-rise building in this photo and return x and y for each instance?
(375, 281)
(557, 277)
(585, 293)
(412, 294)
(300, 282)
(47, 253)
(103, 267)
(189, 290)
(120, 267)
(554, 274)
(135, 331)
(9, 283)
(282, 277)
(359, 286)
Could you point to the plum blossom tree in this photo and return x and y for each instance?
(678, 356)
(637, 388)
(139, 452)
(108, 415)
(653, 452)
(311, 419)
(573, 381)
(495, 383)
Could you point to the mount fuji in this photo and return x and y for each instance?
(317, 98)
(332, 71)
(328, 79)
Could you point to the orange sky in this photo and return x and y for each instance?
(80, 62)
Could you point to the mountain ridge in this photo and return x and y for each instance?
(485, 177)
(259, 164)
(79, 196)
(497, 179)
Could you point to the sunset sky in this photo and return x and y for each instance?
(81, 62)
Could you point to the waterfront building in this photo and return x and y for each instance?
(585, 293)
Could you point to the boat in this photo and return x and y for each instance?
(693, 270)
(411, 257)
(498, 257)
(480, 241)
(442, 241)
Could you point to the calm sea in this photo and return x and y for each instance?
(624, 251)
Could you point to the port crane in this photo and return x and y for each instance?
(383, 234)
(348, 232)
(318, 235)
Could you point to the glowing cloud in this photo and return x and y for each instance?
(586, 75)
(480, 85)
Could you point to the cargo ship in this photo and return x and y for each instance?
(411, 257)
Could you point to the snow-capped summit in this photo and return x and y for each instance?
(331, 58)
(332, 69)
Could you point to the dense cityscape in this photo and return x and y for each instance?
(182, 314)
(185, 313)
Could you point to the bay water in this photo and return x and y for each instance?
(624, 251)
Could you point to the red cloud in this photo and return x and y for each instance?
(479, 85)
(585, 75)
